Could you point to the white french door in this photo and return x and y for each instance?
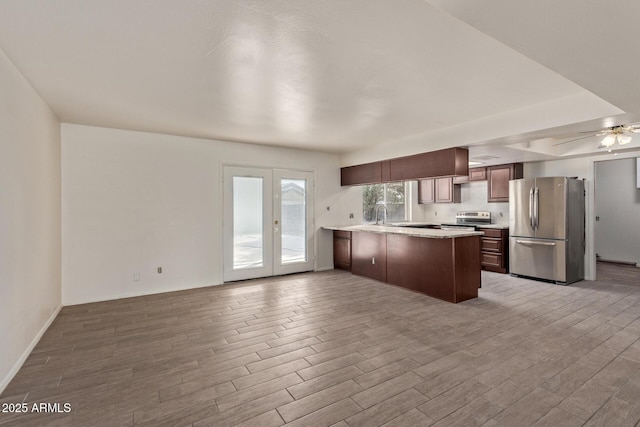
(268, 222)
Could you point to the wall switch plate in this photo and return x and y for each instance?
(136, 277)
(159, 270)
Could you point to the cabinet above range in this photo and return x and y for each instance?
(442, 163)
(447, 190)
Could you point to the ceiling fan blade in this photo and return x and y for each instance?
(575, 139)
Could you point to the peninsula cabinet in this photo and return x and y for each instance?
(447, 269)
(438, 190)
(342, 250)
(498, 178)
(444, 264)
(369, 255)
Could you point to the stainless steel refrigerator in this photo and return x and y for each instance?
(546, 229)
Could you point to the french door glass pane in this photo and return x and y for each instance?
(294, 220)
(247, 222)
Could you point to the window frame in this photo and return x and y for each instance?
(407, 200)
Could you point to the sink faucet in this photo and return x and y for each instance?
(386, 213)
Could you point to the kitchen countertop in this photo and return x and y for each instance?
(407, 231)
(496, 226)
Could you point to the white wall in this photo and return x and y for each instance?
(29, 218)
(134, 201)
(617, 202)
(582, 167)
(473, 196)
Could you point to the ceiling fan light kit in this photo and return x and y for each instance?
(619, 134)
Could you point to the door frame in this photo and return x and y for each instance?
(226, 272)
(308, 265)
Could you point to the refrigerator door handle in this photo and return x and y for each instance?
(531, 208)
(529, 242)
(536, 197)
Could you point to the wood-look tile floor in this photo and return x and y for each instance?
(618, 273)
(330, 348)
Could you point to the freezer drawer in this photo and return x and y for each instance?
(543, 259)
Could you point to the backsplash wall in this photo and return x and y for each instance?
(474, 198)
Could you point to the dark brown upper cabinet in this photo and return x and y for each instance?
(449, 162)
(478, 174)
(498, 178)
(426, 191)
(441, 163)
(475, 174)
(438, 190)
(368, 173)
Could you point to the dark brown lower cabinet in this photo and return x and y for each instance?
(369, 255)
(447, 269)
(342, 250)
(494, 249)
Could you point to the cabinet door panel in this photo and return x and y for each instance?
(444, 190)
(426, 191)
(342, 250)
(498, 183)
(478, 174)
(369, 255)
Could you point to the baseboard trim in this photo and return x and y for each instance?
(16, 367)
(613, 261)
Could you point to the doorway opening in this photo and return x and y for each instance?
(617, 221)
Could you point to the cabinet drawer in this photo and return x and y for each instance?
(491, 232)
(341, 234)
(491, 245)
(492, 260)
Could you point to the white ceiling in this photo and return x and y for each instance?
(331, 75)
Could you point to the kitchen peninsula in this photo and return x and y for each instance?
(443, 264)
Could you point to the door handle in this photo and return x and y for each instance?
(529, 242)
(531, 208)
(536, 196)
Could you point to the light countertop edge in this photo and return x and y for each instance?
(406, 231)
(496, 226)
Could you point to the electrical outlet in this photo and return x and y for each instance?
(350, 216)
(159, 270)
(136, 277)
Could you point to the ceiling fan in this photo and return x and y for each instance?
(621, 134)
